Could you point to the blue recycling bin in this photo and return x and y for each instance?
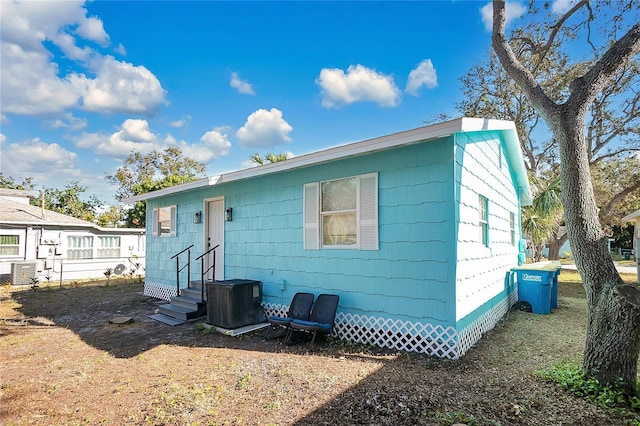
(536, 286)
(554, 289)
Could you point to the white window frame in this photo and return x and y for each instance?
(156, 227)
(4, 246)
(72, 249)
(108, 251)
(483, 220)
(512, 228)
(366, 214)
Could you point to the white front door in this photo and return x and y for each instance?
(215, 236)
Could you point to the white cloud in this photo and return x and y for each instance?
(423, 75)
(32, 82)
(2, 138)
(135, 135)
(122, 87)
(120, 50)
(3, 119)
(512, 10)
(92, 29)
(67, 121)
(137, 130)
(264, 129)
(180, 123)
(214, 144)
(358, 84)
(242, 86)
(49, 165)
(562, 6)
(217, 141)
(37, 159)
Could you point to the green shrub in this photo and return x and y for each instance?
(571, 377)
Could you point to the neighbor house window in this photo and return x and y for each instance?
(512, 228)
(164, 222)
(9, 245)
(342, 213)
(484, 220)
(108, 246)
(79, 247)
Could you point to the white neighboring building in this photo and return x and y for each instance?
(635, 218)
(35, 242)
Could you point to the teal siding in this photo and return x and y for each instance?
(429, 268)
(409, 278)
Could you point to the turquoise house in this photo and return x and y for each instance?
(415, 231)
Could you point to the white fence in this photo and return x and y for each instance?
(59, 270)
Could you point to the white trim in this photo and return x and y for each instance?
(311, 216)
(632, 216)
(421, 134)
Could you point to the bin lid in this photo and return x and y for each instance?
(549, 265)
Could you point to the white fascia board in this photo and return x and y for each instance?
(633, 216)
(200, 183)
(56, 224)
(67, 226)
(123, 231)
(420, 134)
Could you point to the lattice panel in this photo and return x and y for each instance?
(272, 309)
(470, 335)
(436, 340)
(159, 291)
(395, 334)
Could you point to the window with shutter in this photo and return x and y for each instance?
(342, 213)
(164, 221)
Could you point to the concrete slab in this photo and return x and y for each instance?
(240, 330)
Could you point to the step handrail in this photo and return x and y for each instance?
(179, 269)
(203, 272)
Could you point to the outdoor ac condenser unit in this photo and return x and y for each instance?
(22, 272)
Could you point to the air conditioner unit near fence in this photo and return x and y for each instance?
(23, 272)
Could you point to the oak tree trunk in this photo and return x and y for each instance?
(555, 245)
(613, 308)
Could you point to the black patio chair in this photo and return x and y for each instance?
(321, 320)
(300, 308)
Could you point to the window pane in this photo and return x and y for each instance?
(339, 195)
(164, 220)
(9, 239)
(109, 247)
(484, 220)
(80, 247)
(9, 245)
(339, 229)
(512, 228)
(9, 251)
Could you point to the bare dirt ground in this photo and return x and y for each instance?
(62, 362)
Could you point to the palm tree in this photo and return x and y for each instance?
(541, 219)
(270, 158)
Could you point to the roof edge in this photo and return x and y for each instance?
(407, 137)
(632, 216)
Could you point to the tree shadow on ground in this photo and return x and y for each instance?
(87, 312)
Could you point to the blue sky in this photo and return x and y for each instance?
(84, 84)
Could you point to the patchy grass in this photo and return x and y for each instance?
(63, 363)
(571, 276)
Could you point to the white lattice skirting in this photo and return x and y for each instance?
(159, 291)
(443, 342)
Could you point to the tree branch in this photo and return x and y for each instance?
(606, 210)
(514, 68)
(584, 89)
